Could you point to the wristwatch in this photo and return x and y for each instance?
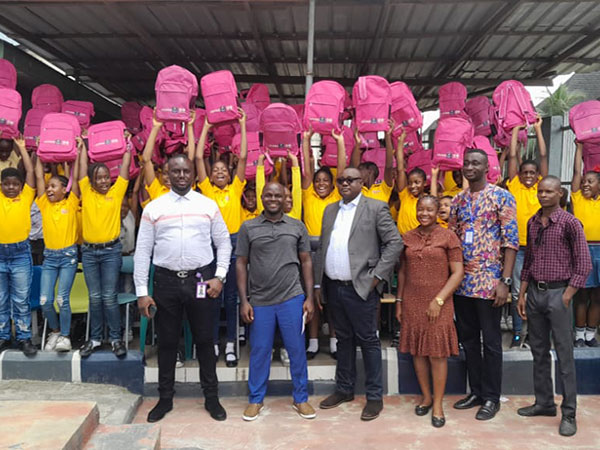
(507, 281)
(221, 279)
(440, 301)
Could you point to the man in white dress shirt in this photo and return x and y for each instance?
(178, 231)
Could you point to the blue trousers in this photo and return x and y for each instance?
(288, 315)
(15, 285)
(101, 268)
(58, 265)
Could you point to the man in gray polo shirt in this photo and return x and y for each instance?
(271, 250)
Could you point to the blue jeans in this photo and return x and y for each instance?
(288, 315)
(15, 285)
(101, 268)
(58, 265)
(516, 276)
(229, 297)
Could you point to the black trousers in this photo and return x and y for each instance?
(173, 295)
(477, 318)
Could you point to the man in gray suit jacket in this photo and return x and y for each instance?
(359, 247)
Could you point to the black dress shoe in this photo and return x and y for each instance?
(470, 401)
(537, 410)
(215, 409)
(333, 355)
(568, 426)
(488, 410)
(163, 406)
(422, 410)
(4, 345)
(311, 355)
(27, 347)
(119, 349)
(87, 349)
(438, 422)
(335, 399)
(371, 410)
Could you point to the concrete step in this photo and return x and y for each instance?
(47, 424)
(130, 437)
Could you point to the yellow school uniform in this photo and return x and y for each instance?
(59, 221)
(15, 216)
(442, 223)
(378, 191)
(394, 212)
(229, 200)
(249, 215)
(296, 212)
(12, 161)
(156, 189)
(587, 210)
(527, 205)
(101, 214)
(407, 215)
(314, 207)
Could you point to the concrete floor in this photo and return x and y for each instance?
(279, 427)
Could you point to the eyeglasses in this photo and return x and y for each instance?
(348, 180)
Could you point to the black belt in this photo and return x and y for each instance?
(547, 285)
(181, 274)
(341, 282)
(103, 245)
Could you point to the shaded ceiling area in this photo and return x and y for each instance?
(117, 46)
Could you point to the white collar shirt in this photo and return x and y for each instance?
(337, 261)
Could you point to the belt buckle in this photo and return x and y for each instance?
(542, 286)
(182, 274)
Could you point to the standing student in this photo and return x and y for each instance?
(431, 269)
(319, 191)
(8, 156)
(484, 218)
(523, 184)
(15, 253)
(292, 204)
(60, 225)
(228, 195)
(585, 198)
(273, 262)
(101, 249)
(179, 241)
(249, 202)
(557, 263)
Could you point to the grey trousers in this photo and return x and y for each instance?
(547, 314)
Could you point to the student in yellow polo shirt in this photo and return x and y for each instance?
(219, 187)
(522, 183)
(410, 188)
(16, 197)
(585, 198)
(60, 226)
(292, 204)
(319, 191)
(249, 203)
(101, 249)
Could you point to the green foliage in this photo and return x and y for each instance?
(560, 102)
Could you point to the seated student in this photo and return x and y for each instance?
(59, 221)
(292, 204)
(523, 185)
(101, 250)
(318, 191)
(228, 195)
(410, 188)
(8, 157)
(15, 253)
(370, 172)
(585, 197)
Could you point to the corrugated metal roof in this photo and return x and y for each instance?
(121, 44)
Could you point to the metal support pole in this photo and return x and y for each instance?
(311, 45)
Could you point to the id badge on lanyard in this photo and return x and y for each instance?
(469, 237)
(201, 287)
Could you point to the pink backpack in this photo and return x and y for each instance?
(584, 119)
(591, 156)
(405, 111)
(280, 130)
(377, 156)
(252, 117)
(347, 106)
(412, 143)
(253, 142)
(421, 159)
(513, 105)
(324, 107)
(31, 130)
(10, 112)
(252, 163)
(329, 157)
(299, 110)
(114, 168)
(452, 99)
(494, 170)
(368, 140)
(47, 97)
(479, 109)
(58, 135)
(176, 91)
(84, 111)
(220, 97)
(501, 136)
(372, 99)
(8, 74)
(224, 137)
(130, 114)
(106, 141)
(259, 96)
(452, 136)
(199, 123)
